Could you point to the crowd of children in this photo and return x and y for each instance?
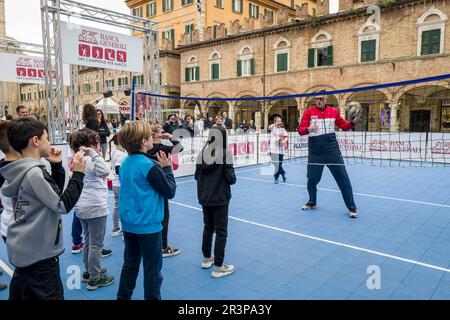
(34, 199)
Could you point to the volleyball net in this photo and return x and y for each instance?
(401, 124)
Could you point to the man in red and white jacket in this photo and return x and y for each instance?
(319, 122)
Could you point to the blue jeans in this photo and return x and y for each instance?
(333, 160)
(146, 247)
(77, 230)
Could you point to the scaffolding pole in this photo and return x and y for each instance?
(51, 12)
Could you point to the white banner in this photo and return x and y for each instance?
(438, 147)
(395, 146)
(25, 69)
(91, 47)
(351, 143)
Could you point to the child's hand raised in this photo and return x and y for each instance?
(163, 160)
(87, 150)
(55, 156)
(165, 135)
(79, 163)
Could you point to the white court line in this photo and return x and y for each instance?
(5, 268)
(239, 171)
(355, 193)
(349, 246)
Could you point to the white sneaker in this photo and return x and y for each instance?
(352, 213)
(222, 271)
(116, 233)
(308, 206)
(207, 262)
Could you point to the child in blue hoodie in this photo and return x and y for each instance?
(145, 184)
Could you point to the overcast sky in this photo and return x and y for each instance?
(25, 25)
(23, 17)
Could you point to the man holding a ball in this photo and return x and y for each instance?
(319, 122)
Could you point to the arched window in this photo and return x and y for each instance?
(431, 31)
(369, 42)
(321, 52)
(214, 65)
(246, 62)
(192, 70)
(282, 50)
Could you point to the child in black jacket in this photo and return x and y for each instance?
(167, 251)
(214, 174)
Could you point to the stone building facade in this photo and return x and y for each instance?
(348, 49)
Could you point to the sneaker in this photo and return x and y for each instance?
(170, 252)
(284, 178)
(76, 248)
(222, 271)
(116, 232)
(3, 286)
(352, 213)
(309, 206)
(207, 262)
(106, 253)
(275, 181)
(87, 278)
(102, 280)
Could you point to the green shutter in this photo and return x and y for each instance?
(368, 50)
(197, 73)
(187, 74)
(311, 53)
(330, 55)
(239, 68)
(215, 71)
(242, 6)
(282, 62)
(172, 37)
(252, 66)
(164, 5)
(431, 42)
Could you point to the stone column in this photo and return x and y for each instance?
(394, 120)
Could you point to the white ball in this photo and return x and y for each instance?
(354, 109)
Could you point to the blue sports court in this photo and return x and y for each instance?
(399, 243)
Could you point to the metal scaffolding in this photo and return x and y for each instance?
(51, 11)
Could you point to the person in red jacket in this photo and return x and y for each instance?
(318, 122)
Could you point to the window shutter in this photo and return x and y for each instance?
(164, 6)
(435, 41)
(197, 73)
(172, 37)
(425, 42)
(252, 66)
(187, 73)
(311, 53)
(282, 62)
(330, 55)
(239, 68)
(242, 6)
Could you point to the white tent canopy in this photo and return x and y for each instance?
(111, 105)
